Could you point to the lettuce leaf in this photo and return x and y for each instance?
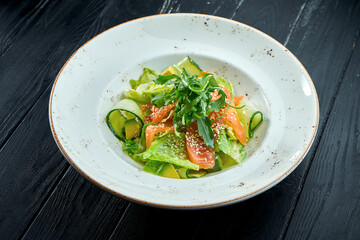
(153, 166)
(170, 149)
(232, 148)
(146, 91)
(143, 89)
(147, 76)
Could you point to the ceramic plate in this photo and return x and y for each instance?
(275, 82)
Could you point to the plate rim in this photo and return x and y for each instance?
(210, 205)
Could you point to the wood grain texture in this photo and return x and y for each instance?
(31, 162)
(267, 16)
(142, 222)
(329, 204)
(30, 167)
(16, 16)
(33, 59)
(77, 210)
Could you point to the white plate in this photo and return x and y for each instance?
(94, 77)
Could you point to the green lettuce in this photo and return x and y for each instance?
(153, 166)
(146, 91)
(232, 148)
(170, 149)
(147, 76)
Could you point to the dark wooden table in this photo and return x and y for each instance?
(43, 197)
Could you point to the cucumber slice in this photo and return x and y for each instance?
(189, 65)
(186, 173)
(122, 112)
(116, 121)
(250, 118)
(196, 174)
(129, 105)
(218, 165)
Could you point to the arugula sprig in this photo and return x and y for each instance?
(192, 98)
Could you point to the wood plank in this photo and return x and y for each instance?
(30, 167)
(35, 56)
(267, 215)
(87, 212)
(14, 17)
(329, 204)
(267, 16)
(31, 152)
(143, 222)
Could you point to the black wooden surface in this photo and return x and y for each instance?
(42, 197)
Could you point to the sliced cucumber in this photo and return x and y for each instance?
(187, 63)
(218, 165)
(255, 120)
(129, 105)
(120, 114)
(196, 174)
(185, 173)
(250, 118)
(116, 122)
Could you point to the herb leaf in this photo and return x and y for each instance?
(163, 79)
(217, 105)
(204, 128)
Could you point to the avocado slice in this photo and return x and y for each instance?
(168, 170)
(169, 71)
(162, 169)
(132, 128)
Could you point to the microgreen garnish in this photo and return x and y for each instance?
(192, 97)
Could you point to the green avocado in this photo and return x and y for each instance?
(132, 128)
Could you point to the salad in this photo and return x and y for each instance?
(183, 122)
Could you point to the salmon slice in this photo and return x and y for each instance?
(231, 118)
(197, 150)
(151, 130)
